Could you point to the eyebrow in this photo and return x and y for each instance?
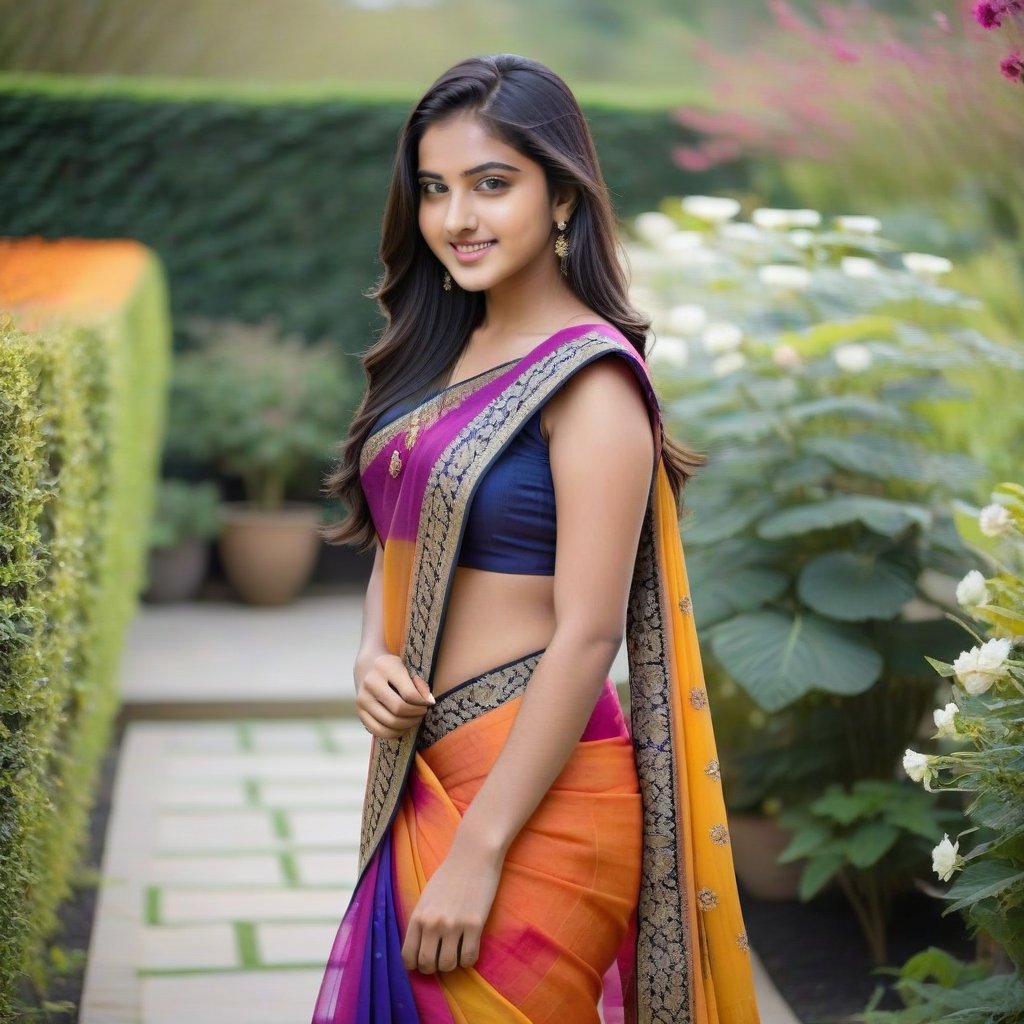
(491, 165)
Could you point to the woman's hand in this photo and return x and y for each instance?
(390, 701)
(448, 920)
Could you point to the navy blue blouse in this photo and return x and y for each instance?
(510, 522)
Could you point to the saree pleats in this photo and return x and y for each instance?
(620, 889)
(568, 884)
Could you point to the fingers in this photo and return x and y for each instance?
(440, 948)
(390, 701)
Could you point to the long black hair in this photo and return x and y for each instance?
(527, 106)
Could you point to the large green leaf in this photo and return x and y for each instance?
(852, 586)
(818, 873)
(802, 472)
(981, 880)
(736, 590)
(848, 407)
(777, 658)
(906, 646)
(870, 843)
(873, 455)
(881, 515)
(744, 425)
(713, 525)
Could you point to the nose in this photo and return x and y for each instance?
(460, 215)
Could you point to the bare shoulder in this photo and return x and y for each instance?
(602, 398)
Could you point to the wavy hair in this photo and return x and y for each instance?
(527, 106)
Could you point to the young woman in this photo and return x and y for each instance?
(524, 855)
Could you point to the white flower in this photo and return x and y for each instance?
(852, 358)
(784, 275)
(711, 208)
(946, 859)
(945, 721)
(802, 238)
(729, 363)
(977, 669)
(805, 218)
(670, 349)
(741, 232)
(654, 227)
(687, 318)
(918, 768)
(786, 357)
(721, 336)
(858, 266)
(994, 520)
(682, 241)
(770, 219)
(859, 225)
(926, 265)
(971, 590)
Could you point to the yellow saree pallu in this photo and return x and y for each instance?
(620, 888)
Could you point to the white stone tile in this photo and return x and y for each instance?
(324, 828)
(269, 737)
(197, 905)
(265, 766)
(349, 735)
(339, 867)
(202, 794)
(204, 737)
(226, 870)
(239, 997)
(221, 830)
(321, 793)
(211, 945)
(295, 943)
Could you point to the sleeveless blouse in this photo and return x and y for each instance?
(510, 522)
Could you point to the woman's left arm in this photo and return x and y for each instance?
(602, 452)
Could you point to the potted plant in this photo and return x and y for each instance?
(261, 406)
(814, 367)
(186, 518)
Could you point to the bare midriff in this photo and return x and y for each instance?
(492, 618)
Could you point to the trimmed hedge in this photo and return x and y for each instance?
(258, 202)
(81, 417)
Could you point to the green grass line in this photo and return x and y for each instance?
(245, 942)
(245, 740)
(252, 792)
(184, 972)
(151, 908)
(289, 868)
(280, 824)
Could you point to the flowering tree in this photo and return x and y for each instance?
(992, 14)
(897, 111)
(985, 722)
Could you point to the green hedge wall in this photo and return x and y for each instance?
(258, 203)
(81, 417)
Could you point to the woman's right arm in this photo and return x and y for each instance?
(389, 701)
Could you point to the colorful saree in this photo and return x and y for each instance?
(651, 924)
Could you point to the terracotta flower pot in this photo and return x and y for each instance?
(269, 556)
(757, 842)
(177, 573)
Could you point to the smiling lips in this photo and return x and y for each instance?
(469, 252)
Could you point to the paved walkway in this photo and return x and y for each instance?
(231, 848)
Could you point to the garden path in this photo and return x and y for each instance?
(231, 846)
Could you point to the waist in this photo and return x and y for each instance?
(492, 617)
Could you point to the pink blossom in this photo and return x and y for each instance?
(845, 53)
(1012, 66)
(986, 14)
(942, 21)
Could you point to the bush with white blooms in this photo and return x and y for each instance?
(985, 722)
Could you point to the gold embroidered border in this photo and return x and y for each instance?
(377, 442)
(664, 947)
(471, 700)
(446, 498)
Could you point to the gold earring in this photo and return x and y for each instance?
(562, 246)
(447, 282)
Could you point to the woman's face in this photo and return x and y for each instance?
(484, 208)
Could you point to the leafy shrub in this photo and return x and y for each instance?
(81, 411)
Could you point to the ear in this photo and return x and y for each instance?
(564, 203)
